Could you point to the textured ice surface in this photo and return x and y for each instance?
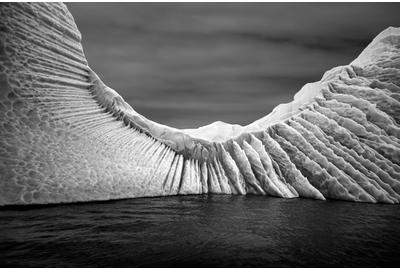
(66, 137)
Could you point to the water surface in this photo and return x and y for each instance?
(201, 231)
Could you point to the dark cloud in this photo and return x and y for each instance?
(189, 64)
(318, 43)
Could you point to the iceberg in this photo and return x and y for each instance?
(67, 137)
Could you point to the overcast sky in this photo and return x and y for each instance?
(190, 64)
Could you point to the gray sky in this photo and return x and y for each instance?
(191, 64)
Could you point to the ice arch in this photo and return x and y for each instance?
(67, 137)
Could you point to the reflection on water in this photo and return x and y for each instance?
(201, 231)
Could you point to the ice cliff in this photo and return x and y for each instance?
(67, 137)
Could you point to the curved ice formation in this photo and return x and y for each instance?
(67, 137)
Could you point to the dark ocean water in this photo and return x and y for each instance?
(201, 231)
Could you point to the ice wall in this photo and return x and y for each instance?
(67, 137)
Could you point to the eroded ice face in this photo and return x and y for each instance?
(67, 137)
